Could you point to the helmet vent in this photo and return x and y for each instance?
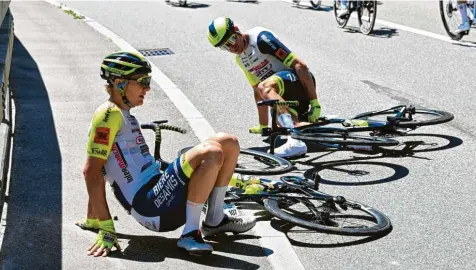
(156, 52)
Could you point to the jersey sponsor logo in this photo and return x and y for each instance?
(132, 120)
(102, 135)
(288, 61)
(121, 161)
(268, 41)
(259, 66)
(107, 114)
(98, 151)
(164, 189)
(140, 140)
(136, 130)
(281, 54)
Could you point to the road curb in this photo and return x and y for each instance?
(6, 53)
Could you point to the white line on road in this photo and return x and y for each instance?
(406, 28)
(281, 255)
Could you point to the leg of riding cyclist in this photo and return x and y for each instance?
(270, 89)
(213, 163)
(344, 9)
(464, 17)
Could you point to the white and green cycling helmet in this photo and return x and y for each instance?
(125, 65)
(220, 30)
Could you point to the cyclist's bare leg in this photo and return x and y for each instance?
(206, 160)
(231, 150)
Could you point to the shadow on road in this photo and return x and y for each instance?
(158, 249)
(383, 32)
(192, 5)
(32, 237)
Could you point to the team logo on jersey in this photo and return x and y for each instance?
(98, 151)
(281, 54)
(107, 114)
(140, 140)
(132, 120)
(102, 135)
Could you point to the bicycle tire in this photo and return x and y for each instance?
(369, 5)
(345, 139)
(445, 9)
(273, 165)
(382, 223)
(316, 4)
(442, 117)
(341, 23)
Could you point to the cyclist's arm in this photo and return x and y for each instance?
(104, 128)
(96, 187)
(269, 44)
(254, 81)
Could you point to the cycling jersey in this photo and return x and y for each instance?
(264, 56)
(115, 135)
(154, 198)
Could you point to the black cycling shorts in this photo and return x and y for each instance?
(160, 204)
(290, 89)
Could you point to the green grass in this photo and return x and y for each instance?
(74, 14)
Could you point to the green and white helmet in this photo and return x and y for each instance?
(220, 30)
(123, 65)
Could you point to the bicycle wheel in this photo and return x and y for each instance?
(451, 18)
(344, 139)
(341, 22)
(316, 4)
(253, 162)
(324, 216)
(366, 16)
(420, 117)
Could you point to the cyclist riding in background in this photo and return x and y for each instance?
(344, 9)
(159, 200)
(274, 72)
(462, 6)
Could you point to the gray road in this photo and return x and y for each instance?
(428, 196)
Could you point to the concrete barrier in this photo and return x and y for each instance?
(6, 53)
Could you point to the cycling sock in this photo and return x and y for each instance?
(464, 14)
(215, 212)
(192, 212)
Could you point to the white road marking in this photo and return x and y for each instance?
(404, 28)
(282, 254)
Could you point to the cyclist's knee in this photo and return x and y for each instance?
(228, 141)
(268, 86)
(212, 152)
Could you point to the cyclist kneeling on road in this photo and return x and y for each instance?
(274, 72)
(160, 201)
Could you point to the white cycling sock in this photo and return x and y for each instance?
(192, 212)
(464, 14)
(216, 200)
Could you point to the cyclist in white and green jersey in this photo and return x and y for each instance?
(274, 72)
(159, 200)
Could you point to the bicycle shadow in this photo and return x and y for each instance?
(148, 248)
(307, 7)
(245, 1)
(384, 32)
(321, 240)
(191, 5)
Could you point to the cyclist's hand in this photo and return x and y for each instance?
(105, 240)
(257, 129)
(315, 111)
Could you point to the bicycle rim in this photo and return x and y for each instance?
(340, 22)
(366, 16)
(257, 163)
(321, 216)
(450, 16)
(345, 139)
(421, 117)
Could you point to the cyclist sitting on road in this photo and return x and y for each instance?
(464, 26)
(160, 201)
(274, 72)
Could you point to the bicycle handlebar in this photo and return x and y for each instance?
(276, 102)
